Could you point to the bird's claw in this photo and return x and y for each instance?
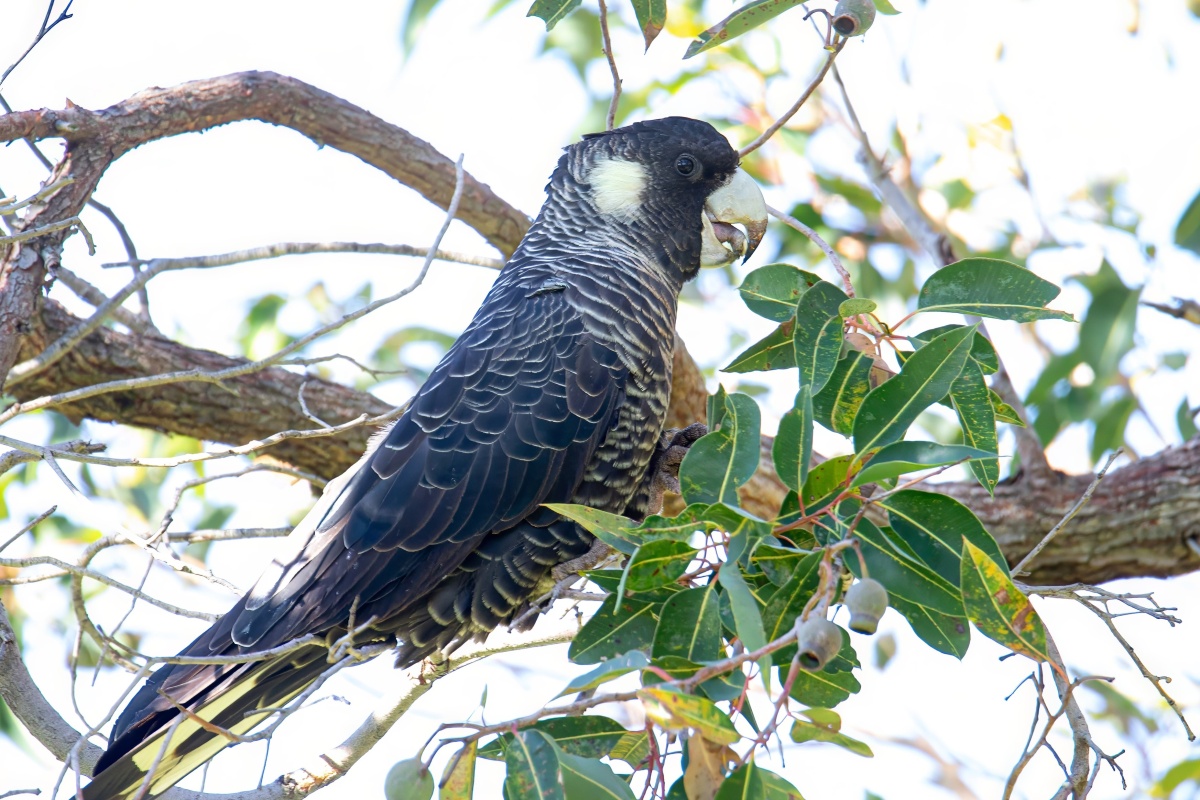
(675, 444)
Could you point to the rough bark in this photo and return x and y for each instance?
(238, 411)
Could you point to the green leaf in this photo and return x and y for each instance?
(1108, 433)
(901, 575)
(825, 481)
(901, 458)
(836, 405)
(612, 529)
(609, 670)
(651, 17)
(818, 335)
(972, 403)
(934, 526)
(748, 16)
(1185, 771)
(773, 291)
(1185, 420)
(551, 11)
(458, 780)
(673, 710)
(982, 351)
(855, 306)
(946, 634)
(1107, 332)
(534, 772)
(773, 351)
(809, 732)
(689, 626)
(822, 689)
(988, 287)
(884, 7)
(998, 608)
(589, 779)
(744, 784)
(590, 736)
(614, 630)
(414, 22)
(717, 464)
(632, 748)
(1187, 230)
(657, 564)
(776, 787)
(792, 450)
(925, 378)
(777, 563)
(747, 617)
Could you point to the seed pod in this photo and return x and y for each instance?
(819, 641)
(853, 17)
(408, 780)
(867, 600)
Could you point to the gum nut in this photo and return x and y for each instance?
(866, 600)
(408, 780)
(853, 17)
(819, 641)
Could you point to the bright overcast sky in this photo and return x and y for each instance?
(1088, 101)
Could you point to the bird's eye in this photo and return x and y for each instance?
(685, 165)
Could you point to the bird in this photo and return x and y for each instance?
(556, 392)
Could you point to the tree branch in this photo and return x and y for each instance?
(95, 139)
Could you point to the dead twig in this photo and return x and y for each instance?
(1019, 569)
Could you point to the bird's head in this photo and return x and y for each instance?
(674, 184)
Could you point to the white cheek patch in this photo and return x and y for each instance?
(617, 186)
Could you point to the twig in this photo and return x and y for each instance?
(304, 407)
(65, 568)
(51, 227)
(188, 458)
(1077, 776)
(27, 527)
(783, 120)
(17, 457)
(1019, 569)
(610, 120)
(816, 239)
(46, 27)
(7, 207)
(96, 298)
(1156, 680)
(306, 248)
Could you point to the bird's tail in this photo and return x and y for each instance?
(170, 744)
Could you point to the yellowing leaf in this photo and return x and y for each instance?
(998, 608)
(673, 710)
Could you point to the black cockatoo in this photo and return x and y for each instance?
(556, 392)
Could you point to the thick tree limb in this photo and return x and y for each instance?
(1137, 524)
(239, 410)
(95, 139)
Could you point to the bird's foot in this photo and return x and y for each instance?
(675, 444)
(571, 569)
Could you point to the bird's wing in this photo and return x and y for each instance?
(508, 420)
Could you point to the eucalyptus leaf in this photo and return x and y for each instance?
(988, 287)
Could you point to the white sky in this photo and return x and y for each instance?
(1088, 101)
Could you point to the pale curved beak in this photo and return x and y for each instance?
(738, 202)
